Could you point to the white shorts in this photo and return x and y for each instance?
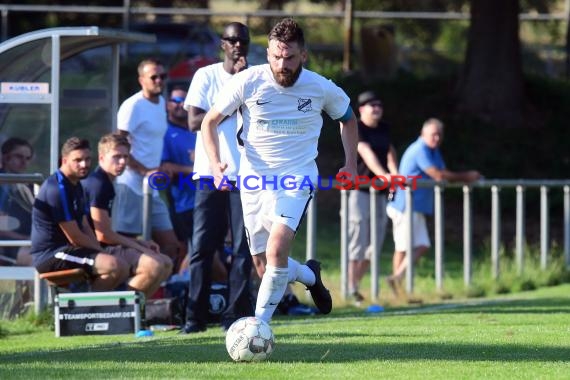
(262, 208)
(399, 227)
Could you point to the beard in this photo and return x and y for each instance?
(82, 174)
(287, 78)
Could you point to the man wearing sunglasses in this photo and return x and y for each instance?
(142, 118)
(178, 164)
(215, 210)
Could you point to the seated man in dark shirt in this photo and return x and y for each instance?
(148, 266)
(61, 235)
(16, 202)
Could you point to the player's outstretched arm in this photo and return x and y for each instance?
(349, 137)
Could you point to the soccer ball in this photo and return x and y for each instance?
(249, 339)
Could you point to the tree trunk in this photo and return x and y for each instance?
(491, 84)
(568, 46)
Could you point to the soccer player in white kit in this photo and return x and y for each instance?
(280, 104)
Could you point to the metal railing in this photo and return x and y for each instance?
(495, 187)
(439, 228)
(24, 273)
(126, 10)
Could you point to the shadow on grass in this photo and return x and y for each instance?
(212, 350)
(533, 306)
(530, 306)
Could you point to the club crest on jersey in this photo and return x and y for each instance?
(304, 105)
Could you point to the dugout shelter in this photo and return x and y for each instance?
(60, 82)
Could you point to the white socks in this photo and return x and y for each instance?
(274, 283)
(271, 290)
(300, 272)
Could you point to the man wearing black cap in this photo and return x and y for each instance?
(376, 156)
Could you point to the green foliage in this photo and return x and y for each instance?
(420, 32)
(528, 284)
(324, 66)
(453, 40)
(496, 151)
(512, 279)
(43, 319)
(475, 291)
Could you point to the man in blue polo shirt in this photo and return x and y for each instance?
(61, 236)
(422, 158)
(178, 164)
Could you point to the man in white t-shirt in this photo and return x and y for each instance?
(142, 118)
(281, 105)
(216, 211)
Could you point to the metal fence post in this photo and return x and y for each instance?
(520, 229)
(408, 214)
(147, 209)
(495, 230)
(344, 244)
(544, 230)
(567, 226)
(439, 236)
(41, 289)
(374, 258)
(467, 236)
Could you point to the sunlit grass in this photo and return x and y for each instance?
(522, 335)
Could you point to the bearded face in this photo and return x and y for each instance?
(285, 77)
(286, 61)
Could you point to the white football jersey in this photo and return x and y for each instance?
(281, 125)
(206, 84)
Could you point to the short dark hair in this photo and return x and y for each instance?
(178, 87)
(74, 143)
(287, 30)
(13, 142)
(148, 61)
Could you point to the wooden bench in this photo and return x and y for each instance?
(65, 279)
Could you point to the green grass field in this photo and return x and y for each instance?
(525, 335)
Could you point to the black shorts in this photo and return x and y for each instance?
(70, 258)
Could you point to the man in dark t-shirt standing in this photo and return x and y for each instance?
(376, 156)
